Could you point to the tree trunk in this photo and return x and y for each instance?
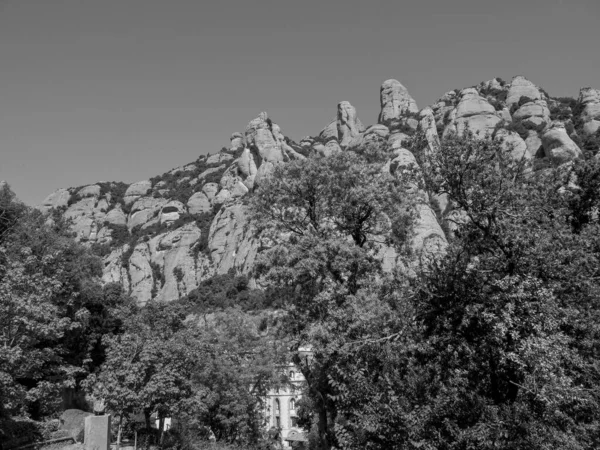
(161, 426)
(147, 418)
(323, 432)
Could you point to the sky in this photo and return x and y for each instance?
(122, 90)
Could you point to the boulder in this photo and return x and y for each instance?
(137, 190)
(558, 146)
(533, 115)
(474, 113)
(116, 216)
(395, 103)
(237, 141)
(511, 141)
(93, 190)
(57, 199)
(210, 189)
(329, 132)
(143, 210)
(534, 143)
(223, 196)
(397, 139)
(198, 203)
(371, 135)
(348, 125)
(522, 87)
(590, 116)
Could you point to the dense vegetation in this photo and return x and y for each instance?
(492, 344)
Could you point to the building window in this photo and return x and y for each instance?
(292, 404)
(292, 374)
(294, 422)
(276, 406)
(277, 422)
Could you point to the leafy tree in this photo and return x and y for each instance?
(54, 313)
(208, 373)
(509, 317)
(327, 221)
(237, 367)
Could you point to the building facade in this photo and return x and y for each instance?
(281, 406)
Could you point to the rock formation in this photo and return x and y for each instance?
(164, 235)
(522, 87)
(474, 113)
(348, 125)
(396, 104)
(590, 100)
(558, 146)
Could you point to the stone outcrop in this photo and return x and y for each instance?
(474, 113)
(329, 132)
(57, 199)
(165, 235)
(232, 243)
(533, 115)
(348, 125)
(558, 146)
(513, 142)
(396, 104)
(267, 147)
(522, 87)
(137, 190)
(590, 116)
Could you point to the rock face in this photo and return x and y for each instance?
(590, 100)
(348, 125)
(57, 199)
(137, 190)
(558, 146)
(163, 236)
(473, 113)
(533, 115)
(231, 240)
(267, 147)
(522, 87)
(396, 104)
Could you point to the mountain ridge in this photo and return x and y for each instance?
(163, 236)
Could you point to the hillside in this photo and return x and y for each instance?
(163, 236)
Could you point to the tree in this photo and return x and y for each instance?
(509, 316)
(54, 311)
(148, 367)
(326, 222)
(209, 373)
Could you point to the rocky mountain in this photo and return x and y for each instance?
(161, 237)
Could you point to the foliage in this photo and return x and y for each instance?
(221, 292)
(507, 365)
(327, 219)
(53, 312)
(209, 373)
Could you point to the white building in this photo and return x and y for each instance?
(281, 406)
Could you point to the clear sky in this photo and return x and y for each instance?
(126, 89)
